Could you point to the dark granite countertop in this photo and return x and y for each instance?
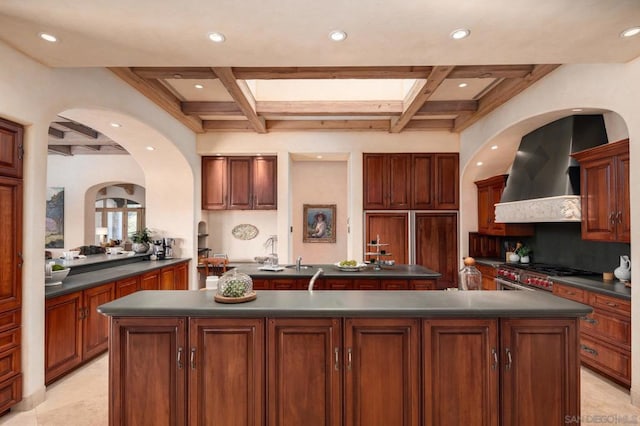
(612, 288)
(325, 303)
(388, 272)
(78, 282)
(489, 262)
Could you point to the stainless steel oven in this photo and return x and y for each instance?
(502, 284)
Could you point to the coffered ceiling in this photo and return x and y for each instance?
(277, 70)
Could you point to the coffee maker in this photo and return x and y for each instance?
(167, 245)
(158, 249)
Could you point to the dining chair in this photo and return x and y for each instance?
(215, 265)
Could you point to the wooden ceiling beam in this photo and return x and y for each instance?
(242, 96)
(186, 73)
(446, 107)
(210, 108)
(56, 133)
(435, 124)
(60, 149)
(92, 147)
(227, 125)
(491, 71)
(502, 93)
(79, 128)
(348, 125)
(327, 73)
(329, 108)
(416, 99)
(160, 95)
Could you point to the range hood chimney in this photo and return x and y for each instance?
(544, 182)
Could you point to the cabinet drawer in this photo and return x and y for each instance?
(395, 284)
(10, 392)
(423, 285)
(9, 339)
(613, 362)
(613, 304)
(364, 284)
(260, 284)
(283, 284)
(9, 320)
(9, 363)
(568, 292)
(603, 325)
(338, 284)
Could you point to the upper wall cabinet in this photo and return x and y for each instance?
(489, 193)
(11, 149)
(604, 185)
(239, 183)
(424, 181)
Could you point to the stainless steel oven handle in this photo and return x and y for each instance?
(500, 283)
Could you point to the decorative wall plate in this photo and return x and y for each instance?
(245, 231)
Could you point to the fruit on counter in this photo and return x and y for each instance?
(57, 267)
(234, 289)
(348, 263)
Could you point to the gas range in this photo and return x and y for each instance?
(532, 276)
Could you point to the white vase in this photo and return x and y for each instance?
(514, 258)
(140, 247)
(524, 259)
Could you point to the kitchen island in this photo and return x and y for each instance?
(344, 358)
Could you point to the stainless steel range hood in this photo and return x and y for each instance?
(544, 182)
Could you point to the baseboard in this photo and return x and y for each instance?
(635, 397)
(29, 402)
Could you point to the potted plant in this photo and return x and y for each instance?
(524, 252)
(141, 239)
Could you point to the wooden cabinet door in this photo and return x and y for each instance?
(95, 326)
(382, 377)
(182, 276)
(374, 178)
(229, 352)
(399, 181)
(265, 183)
(214, 183)
(240, 182)
(150, 280)
(10, 243)
(168, 278)
(62, 334)
(485, 212)
(304, 372)
(460, 372)
(446, 182)
(393, 229)
(623, 191)
(488, 277)
(495, 194)
(11, 149)
(148, 369)
(437, 245)
(422, 194)
(598, 199)
(127, 286)
(540, 371)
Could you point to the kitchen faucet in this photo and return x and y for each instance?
(314, 278)
(298, 263)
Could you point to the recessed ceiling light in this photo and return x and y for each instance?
(337, 35)
(576, 109)
(217, 37)
(258, 154)
(198, 86)
(116, 125)
(48, 37)
(494, 147)
(479, 163)
(150, 148)
(319, 157)
(630, 32)
(460, 33)
(461, 85)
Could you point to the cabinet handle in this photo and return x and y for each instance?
(613, 305)
(571, 293)
(193, 358)
(589, 320)
(619, 217)
(180, 358)
(589, 350)
(349, 359)
(20, 151)
(495, 358)
(337, 363)
(612, 218)
(509, 360)
(21, 259)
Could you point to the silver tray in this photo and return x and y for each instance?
(359, 267)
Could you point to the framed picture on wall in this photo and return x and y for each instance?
(54, 230)
(319, 223)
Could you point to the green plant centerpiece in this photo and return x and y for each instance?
(141, 239)
(524, 253)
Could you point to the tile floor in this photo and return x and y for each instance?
(80, 399)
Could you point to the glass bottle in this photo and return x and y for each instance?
(470, 277)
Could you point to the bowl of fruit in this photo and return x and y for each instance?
(58, 273)
(350, 265)
(234, 287)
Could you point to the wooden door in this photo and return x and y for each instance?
(447, 181)
(182, 276)
(240, 183)
(95, 326)
(373, 182)
(10, 243)
(393, 229)
(214, 183)
(399, 181)
(460, 372)
(623, 191)
(422, 193)
(265, 183)
(127, 286)
(598, 199)
(229, 352)
(304, 372)
(147, 371)
(11, 149)
(437, 245)
(540, 371)
(382, 372)
(168, 278)
(62, 334)
(150, 280)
